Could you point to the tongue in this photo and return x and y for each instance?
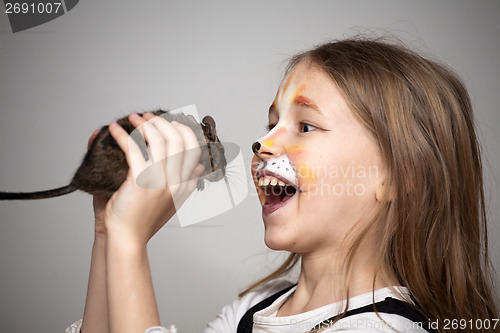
(273, 198)
(276, 194)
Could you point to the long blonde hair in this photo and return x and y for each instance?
(433, 223)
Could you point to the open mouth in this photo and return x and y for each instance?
(277, 191)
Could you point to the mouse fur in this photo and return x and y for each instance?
(104, 167)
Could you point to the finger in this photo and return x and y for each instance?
(198, 170)
(139, 137)
(192, 150)
(151, 135)
(169, 133)
(92, 138)
(129, 147)
(174, 145)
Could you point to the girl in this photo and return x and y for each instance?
(370, 175)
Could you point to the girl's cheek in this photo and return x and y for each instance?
(298, 157)
(296, 152)
(306, 174)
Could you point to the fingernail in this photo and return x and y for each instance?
(113, 124)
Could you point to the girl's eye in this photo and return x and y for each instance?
(304, 128)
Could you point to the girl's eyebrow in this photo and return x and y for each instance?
(300, 100)
(305, 101)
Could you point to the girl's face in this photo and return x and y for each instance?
(317, 169)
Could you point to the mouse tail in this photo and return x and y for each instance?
(38, 195)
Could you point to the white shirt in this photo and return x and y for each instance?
(265, 321)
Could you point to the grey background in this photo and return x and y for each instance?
(105, 59)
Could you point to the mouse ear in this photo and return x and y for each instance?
(208, 124)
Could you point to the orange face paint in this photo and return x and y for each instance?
(287, 84)
(296, 93)
(305, 173)
(287, 93)
(293, 148)
(294, 151)
(303, 100)
(268, 142)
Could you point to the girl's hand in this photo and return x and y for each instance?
(168, 177)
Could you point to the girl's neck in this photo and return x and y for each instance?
(321, 282)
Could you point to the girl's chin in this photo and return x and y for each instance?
(277, 241)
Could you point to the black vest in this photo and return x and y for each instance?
(389, 305)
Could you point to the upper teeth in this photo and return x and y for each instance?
(266, 180)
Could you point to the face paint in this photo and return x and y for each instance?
(282, 167)
(287, 94)
(268, 142)
(279, 166)
(296, 92)
(306, 174)
(295, 151)
(271, 137)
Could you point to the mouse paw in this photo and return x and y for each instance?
(201, 184)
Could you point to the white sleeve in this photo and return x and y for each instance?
(227, 321)
(76, 327)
